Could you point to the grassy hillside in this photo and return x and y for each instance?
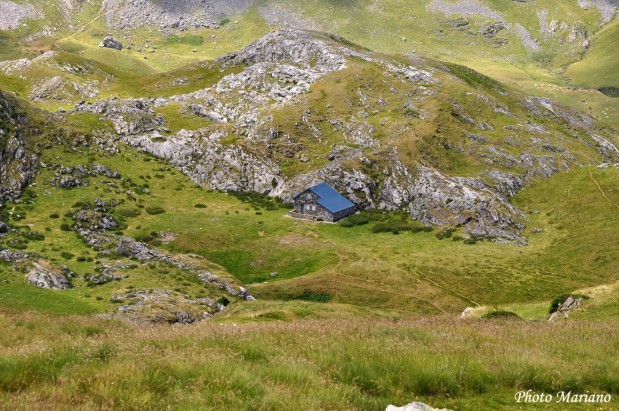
(287, 260)
(600, 65)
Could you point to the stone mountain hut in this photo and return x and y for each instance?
(323, 203)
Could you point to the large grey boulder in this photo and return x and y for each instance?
(45, 275)
(111, 43)
(564, 309)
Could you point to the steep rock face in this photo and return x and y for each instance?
(18, 161)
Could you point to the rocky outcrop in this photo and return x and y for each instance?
(445, 201)
(46, 275)
(19, 161)
(107, 276)
(60, 89)
(165, 306)
(296, 47)
(210, 162)
(130, 117)
(38, 271)
(139, 251)
(607, 8)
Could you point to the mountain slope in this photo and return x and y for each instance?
(457, 31)
(297, 107)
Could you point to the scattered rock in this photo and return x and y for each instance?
(492, 29)
(70, 177)
(13, 256)
(167, 237)
(107, 275)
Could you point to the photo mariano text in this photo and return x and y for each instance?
(531, 396)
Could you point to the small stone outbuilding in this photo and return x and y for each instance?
(322, 203)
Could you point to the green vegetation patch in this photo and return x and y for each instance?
(500, 315)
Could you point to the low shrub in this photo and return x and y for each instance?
(391, 226)
(17, 245)
(447, 233)
(315, 296)
(33, 236)
(129, 212)
(358, 219)
(501, 314)
(154, 210)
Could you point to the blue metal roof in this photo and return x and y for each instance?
(331, 199)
